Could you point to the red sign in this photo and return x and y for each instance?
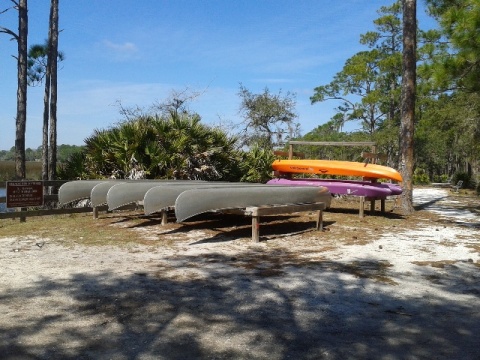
(24, 193)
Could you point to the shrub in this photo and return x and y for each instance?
(466, 178)
(257, 164)
(176, 146)
(420, 177)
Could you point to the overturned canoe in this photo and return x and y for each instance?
(333, 167)
(77, 190)
(130, 192)
(197, 201)
(164, 196)
(345, 187)
(98, 195)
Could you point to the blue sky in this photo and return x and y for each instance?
(138, 51)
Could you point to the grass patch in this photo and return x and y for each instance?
(77, 229)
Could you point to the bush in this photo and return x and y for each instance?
(257, 164)
(441, 179)
(170, 147)
(466, 178)
(420, 177)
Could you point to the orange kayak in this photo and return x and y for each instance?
(333, 167)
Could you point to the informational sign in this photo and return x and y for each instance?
(24, 193)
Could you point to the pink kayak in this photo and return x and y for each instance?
(345, 187)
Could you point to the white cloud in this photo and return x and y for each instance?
(125, 47)
(121, 51)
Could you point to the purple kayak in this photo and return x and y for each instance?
(345, 187)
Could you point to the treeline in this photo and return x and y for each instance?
(368, 89)
(63, 153)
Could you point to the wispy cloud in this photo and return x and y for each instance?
(121, 51)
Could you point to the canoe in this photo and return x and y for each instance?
(197, 201)
(98, 195)
(333, 167)
(164, 196)
(77, 190)
(125, 193)
(345, 187)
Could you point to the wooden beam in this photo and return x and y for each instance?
(361, 212)
(283, 209)
(255, 212)
(372, 205)
(371, 155)
(164, 214)
(20, 214)
(289, 154)
(255, 228)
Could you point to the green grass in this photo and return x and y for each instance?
(33, 170)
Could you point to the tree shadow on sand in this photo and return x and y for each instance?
(229, 227)
(262, 304)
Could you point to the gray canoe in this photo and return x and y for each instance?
(197, 201)
(131, 192)
(99, 193)
(164, 196)
(77, 190)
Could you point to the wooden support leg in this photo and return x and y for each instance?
(372, 206)
(164, 213)
(382, 205)
(23, 217)
(256, 229)
(95, 212)
(255, 213)
(320, 220)
(362, 207)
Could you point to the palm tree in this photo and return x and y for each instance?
(175, 146)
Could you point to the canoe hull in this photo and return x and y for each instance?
(164, 196)
(197, 201)
(131, 192)
(77, 190)
(342, 168)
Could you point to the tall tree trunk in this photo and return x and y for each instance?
(21, 120)
(52, 60)
(46, 118)
(408, 103)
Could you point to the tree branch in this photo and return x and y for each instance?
(9, 32)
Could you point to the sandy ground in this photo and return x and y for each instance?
(409, 294)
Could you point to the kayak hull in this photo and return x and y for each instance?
(332, 167)
(345, 187)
